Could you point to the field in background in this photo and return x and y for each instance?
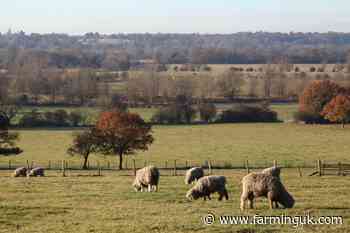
(219, 68)
(109, 204)
(290, 144)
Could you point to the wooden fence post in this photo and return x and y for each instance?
(134, 165)
(9, 164)
(28, 168)
(299, 171)
(186, 164)
(88, 164)
(247, 166)
(145, 163)
(166, 164)
(99, 168)
(63, 168)
(126, 164)
(175, 173)
(340, 169)
(319, 167)
(49, 165)
(275, 163)
(108, 165)
(209, 167)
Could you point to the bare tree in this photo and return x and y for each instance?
(267, 80)
(280, 84)
(253, 86)
(230, 83)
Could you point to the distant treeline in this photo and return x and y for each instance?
(122, 51)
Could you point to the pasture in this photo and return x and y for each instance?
(82, 203)
(289, 144)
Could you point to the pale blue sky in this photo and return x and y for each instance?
(203, 16)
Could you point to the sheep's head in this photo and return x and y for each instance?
(136, 185)
(189, 180)
(193, 194)
(286, 200)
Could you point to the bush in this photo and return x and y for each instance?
(58, 118)
(207, 112)
(309, 118)
(32, 119)
(246, 113)
(175, 114)
(77, 118)
(10, 151)
(312, 69)
(205, 68)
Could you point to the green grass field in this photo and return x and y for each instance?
(290, 144)
(82, 202)
(109, 204)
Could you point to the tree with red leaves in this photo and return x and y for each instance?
(122, 133)
(338, 110)
(317, 94)
(314, 98)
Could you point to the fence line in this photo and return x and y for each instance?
(174, 165)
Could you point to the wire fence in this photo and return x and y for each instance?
(130, 164)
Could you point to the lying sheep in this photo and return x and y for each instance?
(146, 177)
(193, 174)
(21, 171)
(38, 171)
(273, 171)
(208, 185)
(264, 185)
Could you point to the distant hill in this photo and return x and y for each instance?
(237, 48)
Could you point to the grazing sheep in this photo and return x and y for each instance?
(193, 174)
(264, 185)
(146, 177)
(21, 171)
(208, 185)
(273, 171)
(38, 171)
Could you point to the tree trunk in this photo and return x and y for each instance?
(120, 161)
(85, 162)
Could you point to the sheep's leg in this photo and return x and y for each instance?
(271, 204)
(269, 197)
(225, 194)
(276, 204)
(242, 206)
(220, 196)
(156, 188)
(149, 188)
(251, 203)
(209, 197)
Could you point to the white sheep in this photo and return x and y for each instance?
(147, 177)
(21, 171)
(193, 174)
(207, 185)
(265, 185)
(38, 171)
